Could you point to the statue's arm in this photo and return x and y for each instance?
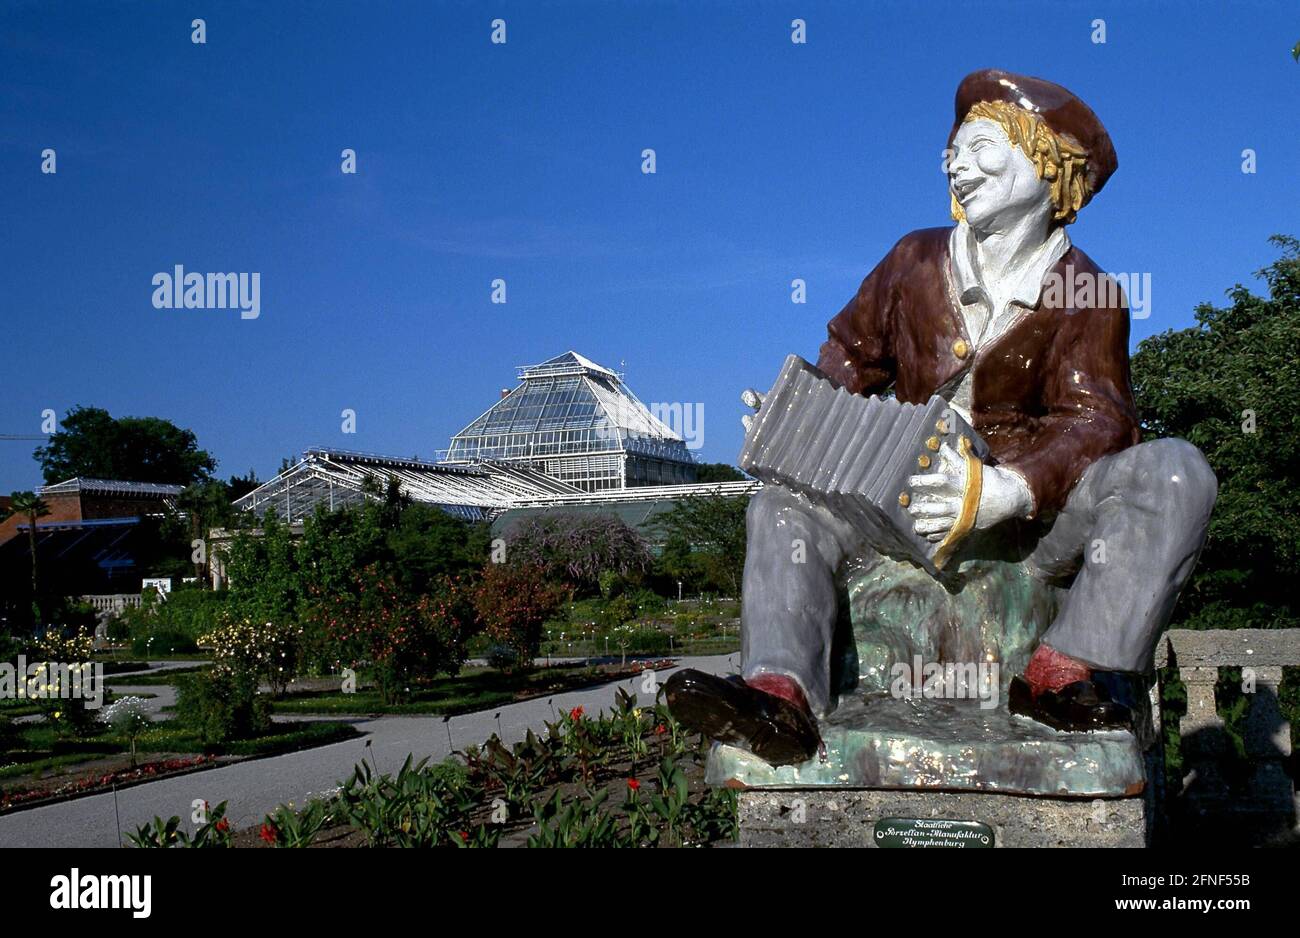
(1088, 401)
(857, 354)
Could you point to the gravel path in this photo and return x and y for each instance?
(257, 786)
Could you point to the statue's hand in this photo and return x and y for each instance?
(1005, 494)
(937, 496)
(750, 398)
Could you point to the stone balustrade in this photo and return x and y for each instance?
(111, 602)
(1220, 798)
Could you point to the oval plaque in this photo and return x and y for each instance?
(931, 832)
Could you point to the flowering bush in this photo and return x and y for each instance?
(579, 549)
(128, 717)
(401, 637)
(66, 658)
(268, 651)
(76, 645)
(512, 602)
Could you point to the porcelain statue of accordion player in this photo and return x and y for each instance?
(1040, 435)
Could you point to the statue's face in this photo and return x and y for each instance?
(992, 179)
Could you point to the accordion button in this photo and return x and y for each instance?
(904, 499)
(961, 348)
(923, 461)
(932, 444)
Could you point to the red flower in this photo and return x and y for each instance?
(633, 784)
(464, 837)
(267, 833)
(575, 713)
(660, 730)
(223, 826)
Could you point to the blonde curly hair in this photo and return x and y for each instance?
(1055, 159)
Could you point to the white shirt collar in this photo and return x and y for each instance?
(1027, 283)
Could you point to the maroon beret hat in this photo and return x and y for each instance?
(1058, 107)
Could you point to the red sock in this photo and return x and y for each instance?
(1049, 669)
(778, 685)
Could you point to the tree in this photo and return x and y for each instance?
(512, 601)
(708, 530)
(93, 444)
(1228, 385)
(32, 507)
(402, 637)
(239, 486)
(718, 472)
(576, 549)
(205, 505)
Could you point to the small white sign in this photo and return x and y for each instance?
(163, 584)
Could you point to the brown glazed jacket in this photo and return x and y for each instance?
(1050, 396)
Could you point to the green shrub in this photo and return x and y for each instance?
(502, 657)
(163, 642)
(418, 807)
(222, 705)
(171, 624)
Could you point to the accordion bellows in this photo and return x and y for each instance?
(854, 454)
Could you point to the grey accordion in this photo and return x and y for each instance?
(853, 454)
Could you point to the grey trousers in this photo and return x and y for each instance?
(1129, 536)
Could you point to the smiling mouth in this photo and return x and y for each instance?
(964, 188)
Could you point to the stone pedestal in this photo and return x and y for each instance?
(894, 767)
(826, 817)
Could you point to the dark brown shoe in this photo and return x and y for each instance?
(1078, 707)
(730, 711)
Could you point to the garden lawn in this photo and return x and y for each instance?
(472, 689)
(38, 748)
(167, 676)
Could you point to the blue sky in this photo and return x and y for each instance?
(522, 162)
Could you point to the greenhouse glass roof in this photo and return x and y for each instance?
(566, 406)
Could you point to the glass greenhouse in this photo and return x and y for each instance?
(578, 422)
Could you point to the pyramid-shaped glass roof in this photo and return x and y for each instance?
(566, 406)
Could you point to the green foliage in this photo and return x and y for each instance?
(577, 549)
(214, 832)
(512, 601)
(1226, 385)
(577, 822)
(718, 472)
(387, 561)
(92, 444)
(285, 827)
(401, 638)
(172, 623)
(418, 807)
(222, 705)
(704, 543)
(267, 579)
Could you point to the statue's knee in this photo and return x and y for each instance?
(1180, 473)
(765, 506)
